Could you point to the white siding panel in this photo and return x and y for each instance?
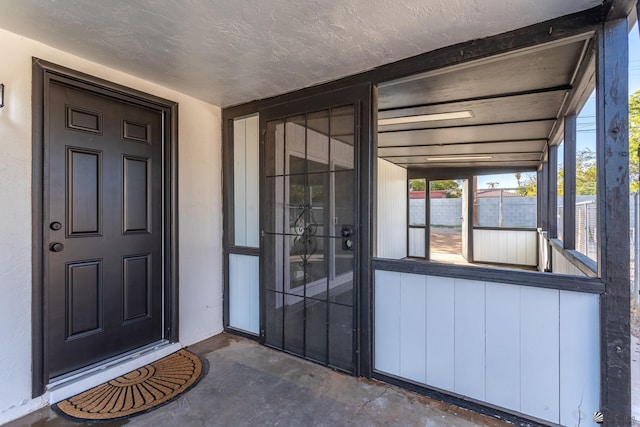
(470, 338)
(517, 247)
(561, 265)
(387, 322)
(392, 211)
(540, 370)
(526, 349)
(244, 312)
(579, 358)
(503, 345)
(413, 293)
(416, 242)
(440, 332)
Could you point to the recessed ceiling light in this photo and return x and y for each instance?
(457, 158)
(426, 118)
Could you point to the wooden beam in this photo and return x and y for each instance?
(617, 9)
(438, 173)
(569, 209)
(402, 111)
(552, 191)
(543, 191)
(613, 220)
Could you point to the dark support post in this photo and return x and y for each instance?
(543, 191)
(552, 191)
(539, 198)
(367, 187)
(613, 220)
(471, 191)
(427, 219)
(569, 210)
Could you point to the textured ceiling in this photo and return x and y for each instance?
(228, 52)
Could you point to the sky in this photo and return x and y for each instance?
(586, 122)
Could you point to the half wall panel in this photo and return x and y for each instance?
(244, 279)
(527, 350)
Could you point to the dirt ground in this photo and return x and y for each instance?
(446, 240)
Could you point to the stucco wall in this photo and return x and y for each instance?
(200, 209)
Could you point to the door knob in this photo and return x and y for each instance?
(56, 247)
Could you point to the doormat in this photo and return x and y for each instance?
(137, 392)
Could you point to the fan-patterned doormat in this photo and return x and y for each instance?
(138, 391)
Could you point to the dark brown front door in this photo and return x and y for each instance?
(103, 227)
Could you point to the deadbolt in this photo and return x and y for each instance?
(55, 226)
(56, 247)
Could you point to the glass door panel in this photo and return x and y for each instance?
(310, 232)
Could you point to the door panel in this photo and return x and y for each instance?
(310, 231)
(104, 261)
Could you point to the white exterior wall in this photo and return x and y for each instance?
(526, 349)
(392, 211)
(200, 209)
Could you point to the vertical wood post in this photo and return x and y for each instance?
(613, 221)
(543, 199)
(569, 209)
(552, 194)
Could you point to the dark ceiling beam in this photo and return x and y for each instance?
(502, 141)
(494, 153)
(513, 163)
(617, 9)
(563, 88)
(517, 122)
(448, 173)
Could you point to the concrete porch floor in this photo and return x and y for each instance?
(246, 384)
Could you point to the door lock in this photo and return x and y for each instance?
(347, 241)
(56, 247)
(347, 244)
(55, 226)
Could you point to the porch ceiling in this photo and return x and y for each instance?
(513, 101)
(229, 52)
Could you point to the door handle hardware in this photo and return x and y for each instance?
(55, 226)
(347, 237)
(56, 247)
(347, 231)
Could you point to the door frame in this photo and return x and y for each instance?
(43, 74)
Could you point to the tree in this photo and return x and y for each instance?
(417, 184)
(586, 172)
(451, 186)
(529, 187)
(492, 184)
(518, 175)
